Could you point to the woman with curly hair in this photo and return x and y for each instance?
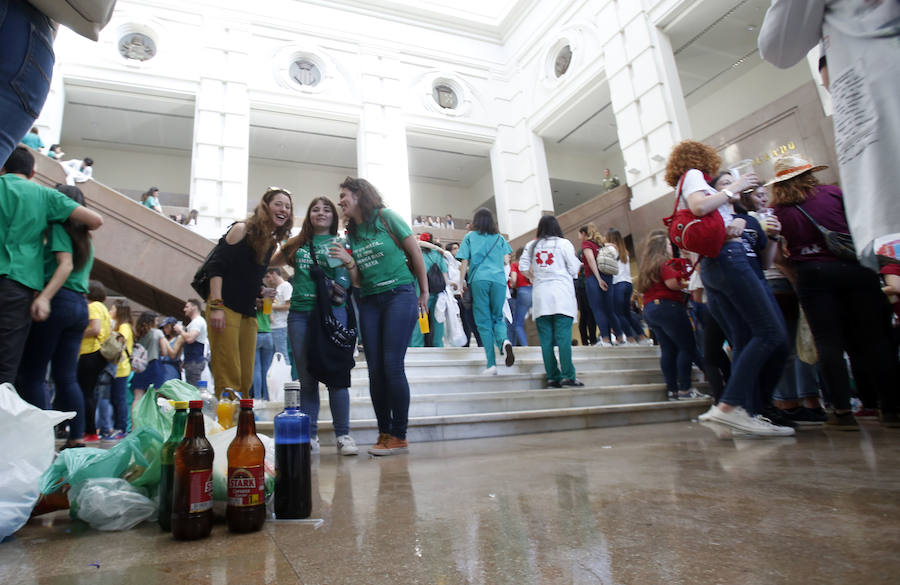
(737, 296)
(843, 302)
(236, 270)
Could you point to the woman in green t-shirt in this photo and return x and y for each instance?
(319, 230)
(381, 242)
(482, 254)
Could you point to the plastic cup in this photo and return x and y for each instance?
(741, 168)
(267, 305)
(334, 262)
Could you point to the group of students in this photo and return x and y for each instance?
(773, 263)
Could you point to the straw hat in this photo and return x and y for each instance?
(791, 165)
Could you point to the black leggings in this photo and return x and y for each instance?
(89, 367)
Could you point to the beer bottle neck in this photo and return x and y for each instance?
(195, 424)
(246, 422)
(179, 422)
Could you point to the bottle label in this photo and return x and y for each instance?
(291, 398)
(201, 490)
(246, 486)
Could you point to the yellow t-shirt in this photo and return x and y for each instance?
(96, 310)
(124, 367)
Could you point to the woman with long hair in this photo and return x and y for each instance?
(482, 267)
(68, 258)
(319, 233)
(150, 200)
(154, 341)
(737, 297)
(523, 299)
(91, 362)
(622, 289)
(843, 302)
(236, 270)
(598, 286)
(381, 242)
(121, 315)
(554, 301)
(661, 283)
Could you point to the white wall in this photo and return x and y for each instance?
(574, 164)
(436, 199)
(128, 169)
(758, 87)
(305, 182)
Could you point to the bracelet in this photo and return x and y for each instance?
(350, 266)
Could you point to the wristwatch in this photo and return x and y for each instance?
(731, 196)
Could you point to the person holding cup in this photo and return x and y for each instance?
(236, 268)
(737, 296)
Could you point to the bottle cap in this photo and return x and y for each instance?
(198, 404)
(246, 403)
(202, 384)
(292, 386)
(183, 404)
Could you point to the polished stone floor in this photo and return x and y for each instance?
(653, 504)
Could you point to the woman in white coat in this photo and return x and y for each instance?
(550, 263)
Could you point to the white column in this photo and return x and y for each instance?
(381, 148)
(651, 116)
(521, 180)
(220, 160)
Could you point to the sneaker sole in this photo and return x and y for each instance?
(347, 452)
(751, 431)
(510, 357)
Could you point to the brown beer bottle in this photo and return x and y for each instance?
(192, 489)
(246, 509)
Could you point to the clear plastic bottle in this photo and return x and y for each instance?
(293, 487)
(210, 403)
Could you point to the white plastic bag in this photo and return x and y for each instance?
(220, 443)
(454, 333)
(27, 441)
(111, 503)
(279, 373)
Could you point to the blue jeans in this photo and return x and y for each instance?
(745, 308)
(169, 369)
(26, 43)
(387, 321)
(119, 399)
(487, 304)
(673, 331)
(602, 305)
(523, 304)
(58, 341)
(104, 404)
(265, 351)
(631, 325)
(279, 338)
(338, 398)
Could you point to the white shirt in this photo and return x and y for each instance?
(198, 323)
(283, 294)
(553, 264)
(624, 274)
(693, 182)
(74, 172)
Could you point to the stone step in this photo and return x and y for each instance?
(529, 352)
(495, 424)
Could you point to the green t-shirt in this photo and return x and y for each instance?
(487, 266)
(382, 264)
(59, 241)
(304, 296)
(262, 323)
(25, 210)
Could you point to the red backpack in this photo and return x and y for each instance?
(703, 235)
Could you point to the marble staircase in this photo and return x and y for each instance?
(451, 399)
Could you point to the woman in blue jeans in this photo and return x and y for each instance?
(598, 286)
(319, 231)
(381, 243)
(68, 258)
(521, 302)
(737, 296)
(622, 289)
(662, 283)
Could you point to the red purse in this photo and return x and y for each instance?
(703, 235)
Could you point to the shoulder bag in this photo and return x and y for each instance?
(112, 347)
(200, 283)
(607, 260)
(702, 235)
(838, 243)
(337, 293)
(329, 343)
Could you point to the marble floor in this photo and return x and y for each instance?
(653, 504)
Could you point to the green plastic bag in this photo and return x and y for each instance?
(135, 459)
(147, 415)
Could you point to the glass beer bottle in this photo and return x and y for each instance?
(192, 490)
(293, 486)
(167, 468)
(246, 511)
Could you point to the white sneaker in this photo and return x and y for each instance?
(602, 343)
(346, 445)
(314, 445)
(707, 416)
(491, 371)
(754, 425)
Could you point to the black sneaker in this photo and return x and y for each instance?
(673, 395)
(575, 382)
(777, 417)
(842, 422)
(553, 384)
(510, 357)
(805, 417)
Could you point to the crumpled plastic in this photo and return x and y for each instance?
(27, 441)
(111, 503)
(220, 443)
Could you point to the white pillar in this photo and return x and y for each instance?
(521, 180)
(220, 159)
(647, 99)
(381, 149)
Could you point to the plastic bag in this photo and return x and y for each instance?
(27, 440)
(110, 503)
(220, 443)
(279, 373)
(146, 414)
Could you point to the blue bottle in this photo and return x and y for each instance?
(293, 487)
